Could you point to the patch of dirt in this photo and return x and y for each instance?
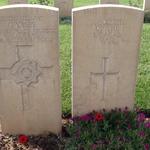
(41, 142)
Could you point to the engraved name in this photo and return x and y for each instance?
(109, 31)
(19, 29)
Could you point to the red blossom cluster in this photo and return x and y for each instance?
(23, 139)
(91, 117)
(99, 117)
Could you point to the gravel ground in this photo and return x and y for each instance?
(43, 142)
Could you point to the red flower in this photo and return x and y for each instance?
(99, 117)
(23, 139)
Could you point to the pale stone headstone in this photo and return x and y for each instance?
(29, 69)
(17, 1)
(109, 1)
(105, 57)
(147, 5)
(65, 7)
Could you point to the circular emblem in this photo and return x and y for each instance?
(26, 72)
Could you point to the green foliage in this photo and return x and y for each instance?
(3, 2)
(42, 2)
(143, 80)
(136, 3)
(118, 131)
(79, 3)
(65, 56)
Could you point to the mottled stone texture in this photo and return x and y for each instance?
(106, 41)
(17, 1)
(109, 1)
(147, 5)
(65, 7)
(29, 69)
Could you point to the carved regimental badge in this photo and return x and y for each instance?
(26, 72)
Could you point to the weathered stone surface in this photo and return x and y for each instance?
(105, 56)
(147, 5)
(65, 7)
(109, 1)
(17, 1)
(29, 69)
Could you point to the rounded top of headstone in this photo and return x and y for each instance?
(29, 6)
(106, 6)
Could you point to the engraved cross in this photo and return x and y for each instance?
(104, 75)
(24, 72)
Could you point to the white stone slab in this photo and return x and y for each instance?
(29, 69)
(65, 7)
(106, 40)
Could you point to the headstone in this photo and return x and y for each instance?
(17, 1)
(65, 7)
(105, 57)
(29, 69)
(147, 5)
(109, 1)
